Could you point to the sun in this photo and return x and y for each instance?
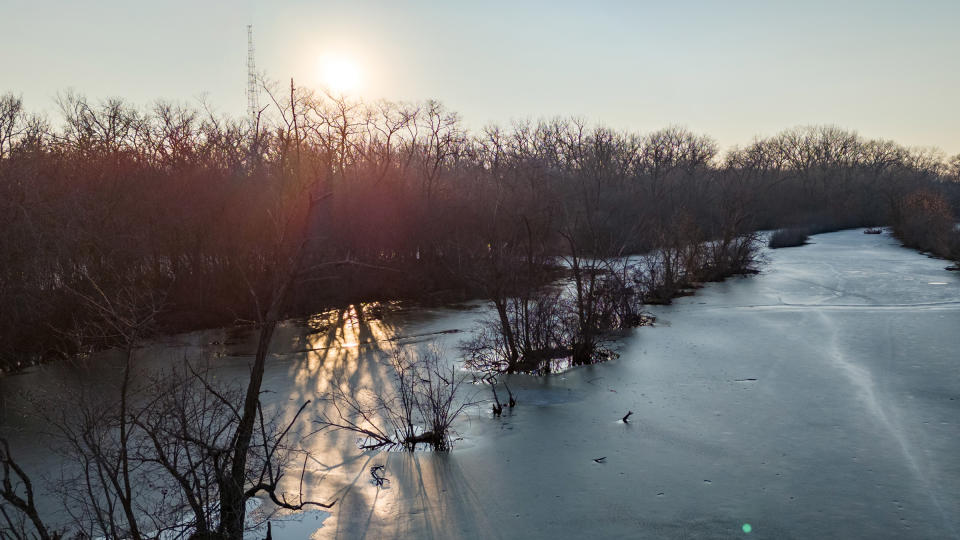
(340, 73)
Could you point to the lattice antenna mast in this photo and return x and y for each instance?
(253, 101)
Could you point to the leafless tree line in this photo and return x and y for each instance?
(184, 200)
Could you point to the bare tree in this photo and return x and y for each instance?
(12, 123)
(17, 491)
(420, 408)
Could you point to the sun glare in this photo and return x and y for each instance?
(340, 74)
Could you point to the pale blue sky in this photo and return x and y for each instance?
(727, 68)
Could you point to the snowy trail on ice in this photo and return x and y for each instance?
(884, 411)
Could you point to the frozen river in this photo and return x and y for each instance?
(819, 399)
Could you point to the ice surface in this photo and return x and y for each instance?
(819, 399)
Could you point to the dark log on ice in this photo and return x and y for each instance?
(429, 437)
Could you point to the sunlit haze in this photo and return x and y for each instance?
(340, 74)
(733, 70)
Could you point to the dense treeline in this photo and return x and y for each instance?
(191, 206)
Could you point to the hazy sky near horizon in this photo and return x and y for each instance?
(730, 69)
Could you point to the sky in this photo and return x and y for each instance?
(732, 69)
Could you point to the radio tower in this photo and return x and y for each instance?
(253, 103)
